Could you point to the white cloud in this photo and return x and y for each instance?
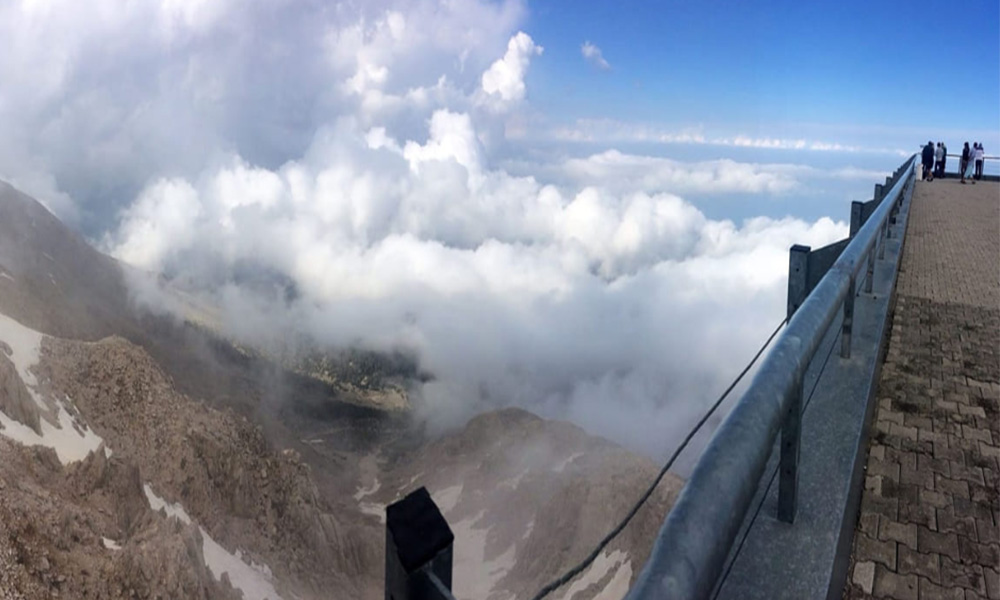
(359, 156)
(99, 98)
(593, 55)
(615, 131)
(505, 77)
(614, 170)
(451, 138)
(602, 302)
(161, 223)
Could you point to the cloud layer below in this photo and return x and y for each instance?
(346, 173)
(604, 299)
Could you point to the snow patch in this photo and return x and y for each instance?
(376, 509)
(528, 529)
(158, 504)
(447, 499)
(25, 345)
(71, 439)
(598, 570)
(514, 481)
(363, 492)
(474, 575)
(561, 465)
(110, 544)
(253, 579)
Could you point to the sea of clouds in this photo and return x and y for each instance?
(359, 159)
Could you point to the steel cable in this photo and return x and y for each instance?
(576, 570)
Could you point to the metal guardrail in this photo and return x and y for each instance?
(694, 541)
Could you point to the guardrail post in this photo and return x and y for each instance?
(788, 483)
(418, 550)
(884, 235)
(848, 325)
(798, 276)
(870, 271)
(856, 207)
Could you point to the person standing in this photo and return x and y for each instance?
(978, 156)
(927, 159)
(963, 162)
(944, 159)
(938, 157)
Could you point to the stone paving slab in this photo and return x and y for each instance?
(953, 225)
(930, 513)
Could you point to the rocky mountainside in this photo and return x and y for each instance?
(526, 498)
(140, 458)
(53, 281)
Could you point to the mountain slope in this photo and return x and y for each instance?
(528, 497)
(144, 458)
(40, 258)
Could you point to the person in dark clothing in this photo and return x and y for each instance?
(927, 158)
(944, 158)
(963, 163)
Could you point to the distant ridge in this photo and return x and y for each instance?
(41, 258)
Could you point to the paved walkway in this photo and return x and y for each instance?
(930, 513)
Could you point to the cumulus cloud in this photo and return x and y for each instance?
(99, 98)
(505, 77)
(594, 56)
(350, 164)
(620, 309)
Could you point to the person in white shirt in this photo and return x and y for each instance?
(938, 160)
(979, 160)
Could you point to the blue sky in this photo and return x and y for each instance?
(856, 72)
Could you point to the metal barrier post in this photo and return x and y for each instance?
(870, 272)
(418, 550)
(856, 207)
(882, 237)
(788, 484)
(845, 335)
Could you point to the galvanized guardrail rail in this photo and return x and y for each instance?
(694, 542)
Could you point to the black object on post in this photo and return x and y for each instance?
(418, 550)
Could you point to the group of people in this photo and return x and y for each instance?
(975, 156)
(934, 159)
